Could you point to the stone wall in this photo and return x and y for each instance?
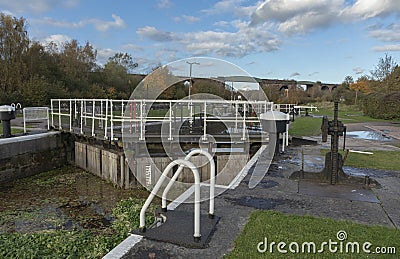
(32, 154)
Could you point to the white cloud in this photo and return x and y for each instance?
(7, 12)
(387, 48)
(100, 25)
(57, 39)
(187, 18)
(131, 46)
(294, 74)
(389, 34)
(162, 4)
(358, 70)
(64, 24)
(365, 9)
(106, 25)
(154, 34)
(104, 54)
(37, 6)
(293, 16)
(221, 23)
(243, 41)
(234, 7)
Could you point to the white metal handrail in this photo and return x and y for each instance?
(160, 181)
(132, 115)
(31, 114)
(212, 180)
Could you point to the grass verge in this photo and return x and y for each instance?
(277, 227)
(305, 126)
(384, 160)
(309, 126)
(13, 130)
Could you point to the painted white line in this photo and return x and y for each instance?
(236, 181)
(124, 247)
(360, 152)
(182, 198)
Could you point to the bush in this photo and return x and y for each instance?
(382, 105)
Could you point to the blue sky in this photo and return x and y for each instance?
(322, 40)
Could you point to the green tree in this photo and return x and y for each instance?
(14, 43)
(116, 74)
(383, 70)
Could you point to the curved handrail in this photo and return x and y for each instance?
(154, 191)
(212, 180)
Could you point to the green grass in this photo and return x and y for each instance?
(277, 227)
(76, 243)
(60, 240)
(305, 126)
(13, 130)
(347, 113)
(309, 126)
(384, 160)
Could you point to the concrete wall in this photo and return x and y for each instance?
(28, 155)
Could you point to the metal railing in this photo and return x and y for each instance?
(160, 181)
(109, 119)
(35, 114)
(182, 164)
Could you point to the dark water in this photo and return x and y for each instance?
(66, 198)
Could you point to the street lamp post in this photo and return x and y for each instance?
(190, 98)
(190, 73)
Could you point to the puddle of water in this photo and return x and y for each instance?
(369, 135)
(66, 198)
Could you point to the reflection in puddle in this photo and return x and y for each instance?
(370, 135)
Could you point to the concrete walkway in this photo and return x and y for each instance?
(277, 192)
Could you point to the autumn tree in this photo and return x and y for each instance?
(362, 85)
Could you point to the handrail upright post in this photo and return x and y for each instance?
(23, 115)
(244, 122)
(236, 116)
(170, 121)
(52, 111)
(70, 115)
(101, 114)
(81, 116)
(106, 121)
(111, 119)
(122, 117)
(205, 121)
(84, 110)
(141, 121)
(93, 116)
(59, 114)
(47, 118)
